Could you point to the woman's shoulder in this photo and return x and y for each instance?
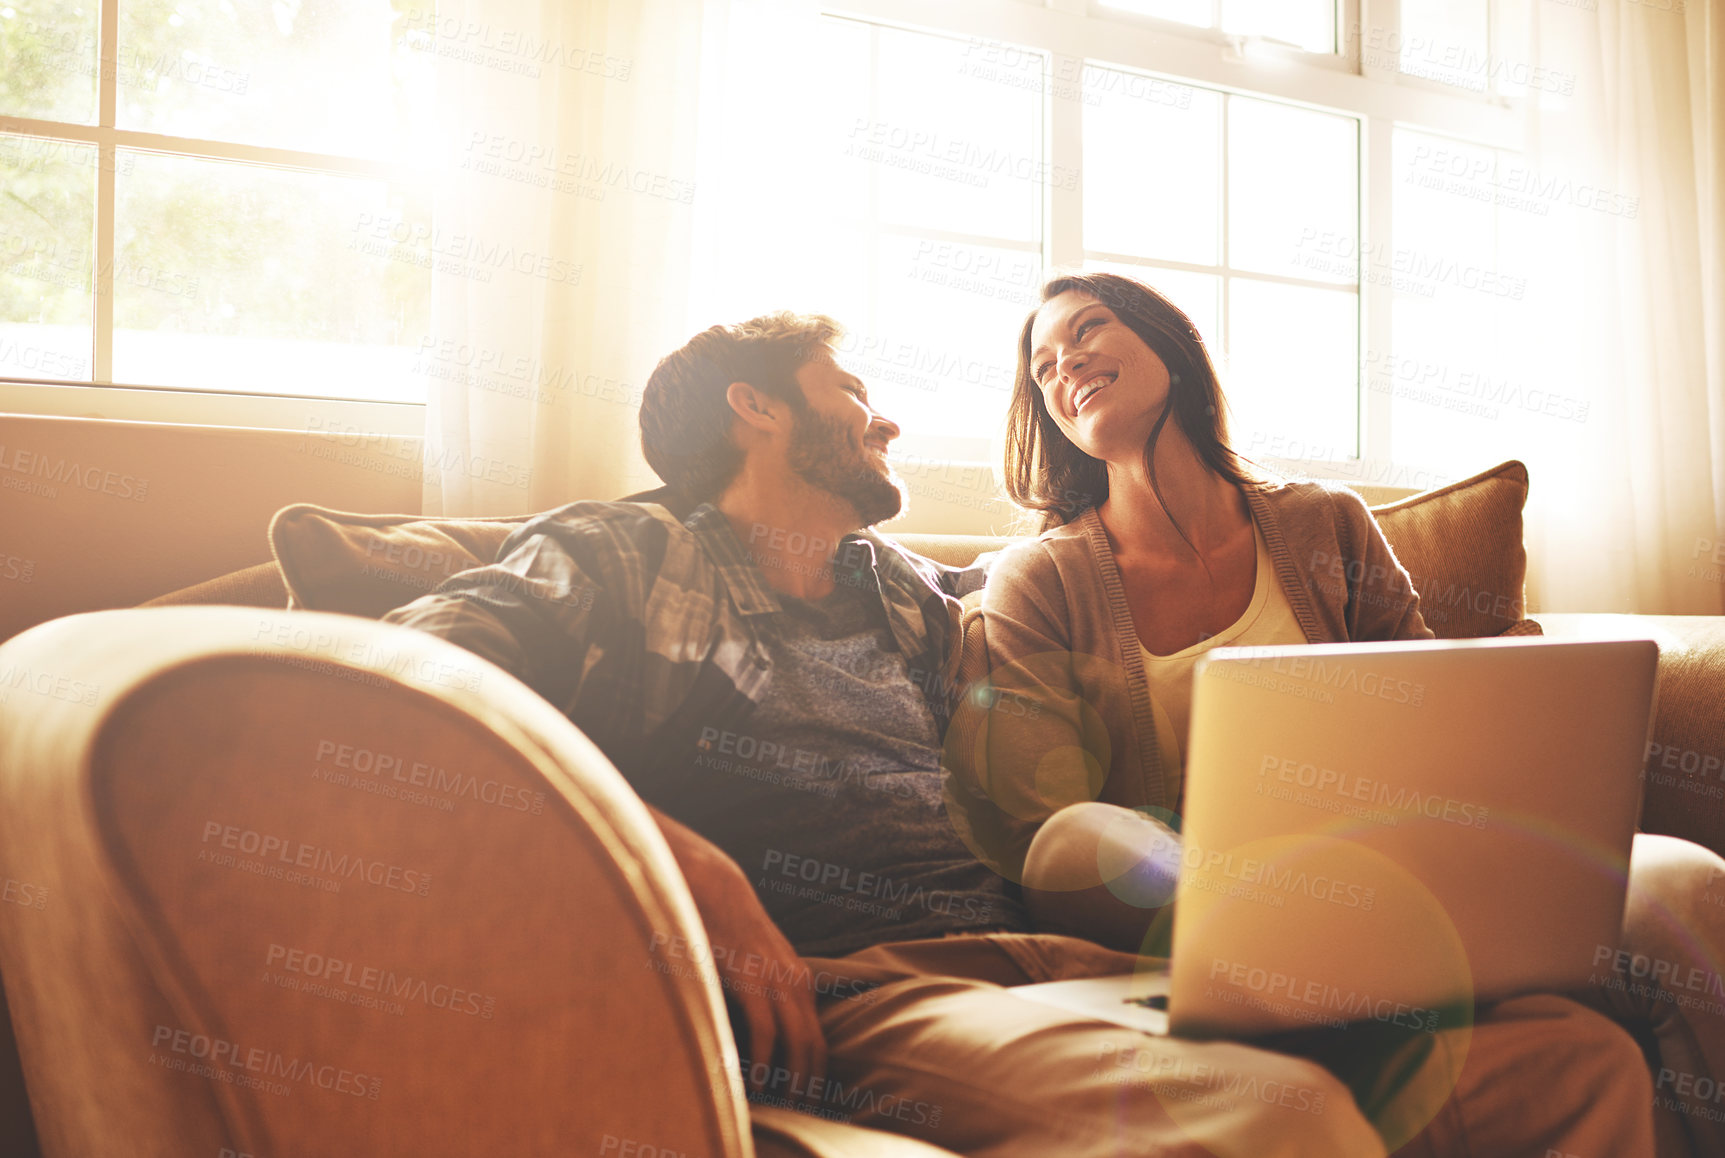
(1069, 535)
(1314, 500)
(1053, 546)
(1039, 563)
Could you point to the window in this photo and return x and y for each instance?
(1245, 213)
(215, 195)
(943, 196)
(1246, 157)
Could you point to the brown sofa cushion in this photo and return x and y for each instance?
(370, 564)
(1461, 545)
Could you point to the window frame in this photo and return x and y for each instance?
(157, 403)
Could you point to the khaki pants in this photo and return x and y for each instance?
(940, 1052)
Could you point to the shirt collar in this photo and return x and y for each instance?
(855, 561)
(747, 586)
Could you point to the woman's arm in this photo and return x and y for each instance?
(1382, 603)
(1104, 873)
(1025, 741)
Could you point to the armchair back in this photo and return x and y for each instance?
(313, 885)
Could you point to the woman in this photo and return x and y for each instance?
(1162, 543)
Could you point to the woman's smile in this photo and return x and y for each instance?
(1089, 388)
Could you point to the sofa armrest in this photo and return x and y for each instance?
(1684, 770)
(308, 884)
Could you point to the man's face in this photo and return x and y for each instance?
(839, 443)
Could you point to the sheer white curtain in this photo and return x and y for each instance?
(562, 211)
(1628, 514)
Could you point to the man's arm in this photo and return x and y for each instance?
(1025, 740)
(783, 1026)
(535, 613)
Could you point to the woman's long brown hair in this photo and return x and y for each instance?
(1045, 472)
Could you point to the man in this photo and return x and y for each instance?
(774, 680)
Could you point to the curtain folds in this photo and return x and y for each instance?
(562, 211)
(1629, 515)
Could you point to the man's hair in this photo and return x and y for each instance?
(686, 418)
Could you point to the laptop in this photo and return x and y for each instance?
(1388, 831)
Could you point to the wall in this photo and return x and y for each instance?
(101, 513)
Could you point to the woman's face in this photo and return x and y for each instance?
(1104, 386)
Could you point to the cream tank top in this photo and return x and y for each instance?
(1268, 620)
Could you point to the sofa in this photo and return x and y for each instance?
(238, 825)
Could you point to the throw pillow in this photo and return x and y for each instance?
(370, 564)
(1461, 545)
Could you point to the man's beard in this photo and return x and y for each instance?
(824, 458)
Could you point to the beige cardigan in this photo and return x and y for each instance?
(1058, 707)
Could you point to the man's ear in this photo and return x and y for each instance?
(756, 408)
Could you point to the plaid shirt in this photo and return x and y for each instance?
(643, 630)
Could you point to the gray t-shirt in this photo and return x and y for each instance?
(829, 797)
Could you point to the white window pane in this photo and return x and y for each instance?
(1152, 167)
(770, 212)
(48, 60)
(1293, 369)
(1442, 195)
(50, 352)
(1445, 236)
(337, 76)
(1293, 176)
(914, 216)
(815, 268)
(1445, 41)
(940, 352)
(1515, 68)
(951, 146)
(47, 215)
(1307, 24)
(241, 277)
(1196, 12)
(1198, 294)
(846, 52)
(1446, 378)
